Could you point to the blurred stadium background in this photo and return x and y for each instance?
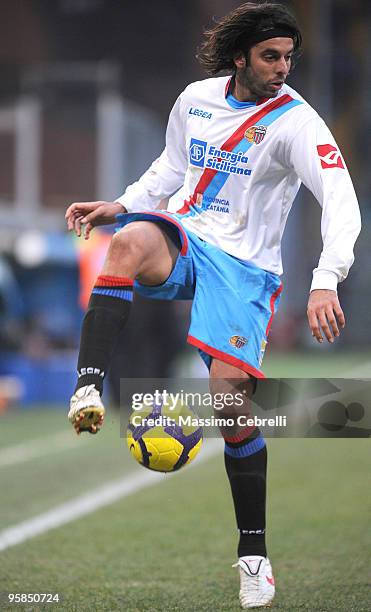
(85, 89)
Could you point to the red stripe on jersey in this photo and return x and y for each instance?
(185, 208)
(274, 296)
(233, 140)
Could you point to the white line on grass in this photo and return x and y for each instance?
(90, 502)
(39, 447)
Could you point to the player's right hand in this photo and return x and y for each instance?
(82, 217)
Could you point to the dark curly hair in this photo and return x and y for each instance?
(237, 31)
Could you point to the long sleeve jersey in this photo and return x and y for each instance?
(235, 172)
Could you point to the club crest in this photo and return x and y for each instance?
(238, 341)
(255, 134)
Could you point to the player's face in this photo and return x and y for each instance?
(265, 71)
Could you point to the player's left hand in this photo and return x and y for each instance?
(325, 314)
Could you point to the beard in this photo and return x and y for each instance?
(255, 84)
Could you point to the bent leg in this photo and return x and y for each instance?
(139, 251)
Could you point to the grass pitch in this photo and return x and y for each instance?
(170, 547)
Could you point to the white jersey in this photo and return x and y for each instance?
(236, 172)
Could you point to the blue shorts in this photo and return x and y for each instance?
(234, 302)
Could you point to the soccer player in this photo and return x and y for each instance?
(237, 149)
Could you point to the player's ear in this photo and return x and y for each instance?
(239, 60)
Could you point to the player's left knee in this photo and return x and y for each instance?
(225, 377)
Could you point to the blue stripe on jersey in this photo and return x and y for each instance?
(122, 294)
(244, 145)
(250, 448)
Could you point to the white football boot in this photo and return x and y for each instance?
(256, 582)
(86, 410)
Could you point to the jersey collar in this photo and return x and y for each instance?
(233, 102)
